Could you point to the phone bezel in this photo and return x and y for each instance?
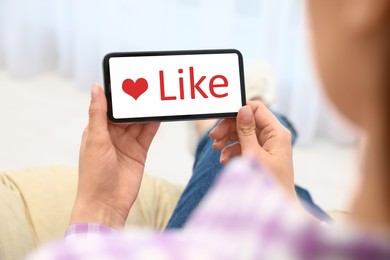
(107, 84)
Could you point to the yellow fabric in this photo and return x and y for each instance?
(155, 203)
(16, 235)
(49, 194)
(36, 206)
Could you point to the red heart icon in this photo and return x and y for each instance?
(135, 89)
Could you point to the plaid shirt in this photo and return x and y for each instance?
(245, 216)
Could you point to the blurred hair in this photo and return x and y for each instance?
(386, 109)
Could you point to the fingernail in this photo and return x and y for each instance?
(222, 159)
(246, 114)
(95, 90)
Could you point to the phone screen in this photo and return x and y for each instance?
(173, 85)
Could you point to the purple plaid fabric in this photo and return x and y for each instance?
(245, 216)
(88, 228)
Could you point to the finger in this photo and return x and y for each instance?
(229, 152)
(97, 111)
(120, 125)
(270, 129)
(84, 140)
(225, 126)
(221, 143)
(147, 134)
(264, 118)
(246, 130)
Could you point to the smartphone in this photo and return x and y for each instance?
(173, 85)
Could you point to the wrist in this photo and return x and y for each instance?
(98, 213)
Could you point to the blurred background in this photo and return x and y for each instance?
(51, 52)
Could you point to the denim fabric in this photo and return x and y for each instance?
(207, 168)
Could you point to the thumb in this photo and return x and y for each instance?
(246, 130)
(97, 111)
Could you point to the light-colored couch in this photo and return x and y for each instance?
(35, 207)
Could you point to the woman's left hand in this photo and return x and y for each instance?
(112, 161)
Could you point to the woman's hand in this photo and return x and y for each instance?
(260, 134)
(112, 160)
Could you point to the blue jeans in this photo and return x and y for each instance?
(206, 169)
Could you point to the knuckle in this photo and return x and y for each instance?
(85, 132)
(96, 141)
(285, 134)
(93, 112)
(246, 130)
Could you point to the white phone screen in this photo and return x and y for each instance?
(174, 85)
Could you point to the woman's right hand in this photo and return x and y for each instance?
(260, 134)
